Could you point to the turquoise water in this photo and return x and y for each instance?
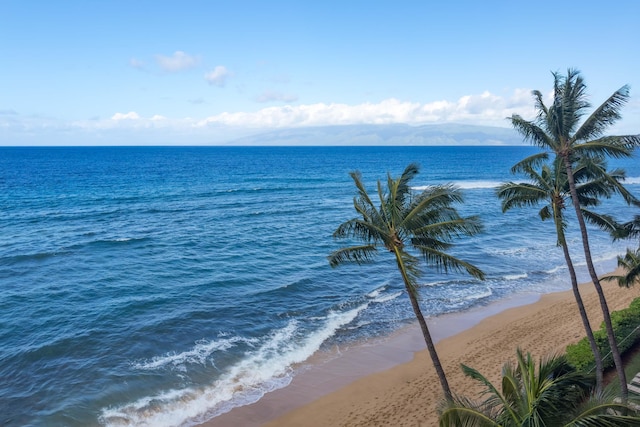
(164, 286)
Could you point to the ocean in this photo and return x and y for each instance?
(164, 286)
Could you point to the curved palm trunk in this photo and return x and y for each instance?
(615, 352)
(597, 356)
(583, 315)
(425, 329)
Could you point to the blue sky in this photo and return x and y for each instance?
(204, 72)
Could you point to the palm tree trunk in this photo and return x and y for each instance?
(585, 320)
(431, 347)
(425, 329)
(615, 352)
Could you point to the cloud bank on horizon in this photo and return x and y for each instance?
(197, 73)
(484, 109)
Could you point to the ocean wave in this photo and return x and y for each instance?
(267, 368)
(632, 180)
(472, 185)
(38, 256)
(463, 297)
(554, 270)
(437, 283)
(385, 298)
(465, 185)
(515, 276)
(376, 292)
(199, 354)
(379, 296)
(484, 292)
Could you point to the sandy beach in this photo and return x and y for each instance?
(392, 383)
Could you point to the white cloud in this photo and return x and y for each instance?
(179, 61)
(132, 115)
(218, 77)
(483, 109)
(270, 96)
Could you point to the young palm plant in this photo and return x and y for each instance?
(552, 393)
(424, 222)
(548, 186)
(557, 129)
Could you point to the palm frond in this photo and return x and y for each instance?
(604, 410)
(610, 146)
(493, 397)
(604, 222)
(569, 101)
(383, 210)
(433, 198)
(403, 189)
(530, 163)
(357, 254)
(362, 230)
(362, 191)
(444, 262)
(448, 229)
(532, 133)
(542, 109)
(463, 413)
(546, 213)
(630, 263)
(604, 116)
(518, 195)
(629, 229)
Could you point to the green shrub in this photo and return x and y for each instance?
(626, 328)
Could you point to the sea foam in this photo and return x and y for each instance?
(269, 367)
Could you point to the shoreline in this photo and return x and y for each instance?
(391, 381)
(330, 371)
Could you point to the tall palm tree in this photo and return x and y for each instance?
(552, 393)
(557, 128)
(426, 222)
(550, 187)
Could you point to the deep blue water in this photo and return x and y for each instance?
(163, 285)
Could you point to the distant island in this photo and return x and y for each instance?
(394, 134)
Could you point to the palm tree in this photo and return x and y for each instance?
(630, 262)
(550, 187)
(426, 222)
(551, 394)
(557, 129)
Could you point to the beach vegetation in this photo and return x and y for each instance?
(547, 185)
(560, 129)
(626, 325)
(548, 393)
(409, 225)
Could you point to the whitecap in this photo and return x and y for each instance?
(632, 180)
(385, 298)
(554, 270)
(198, 354)
(515, 276)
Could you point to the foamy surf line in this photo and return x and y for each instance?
(332, 372)
(267, 368)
